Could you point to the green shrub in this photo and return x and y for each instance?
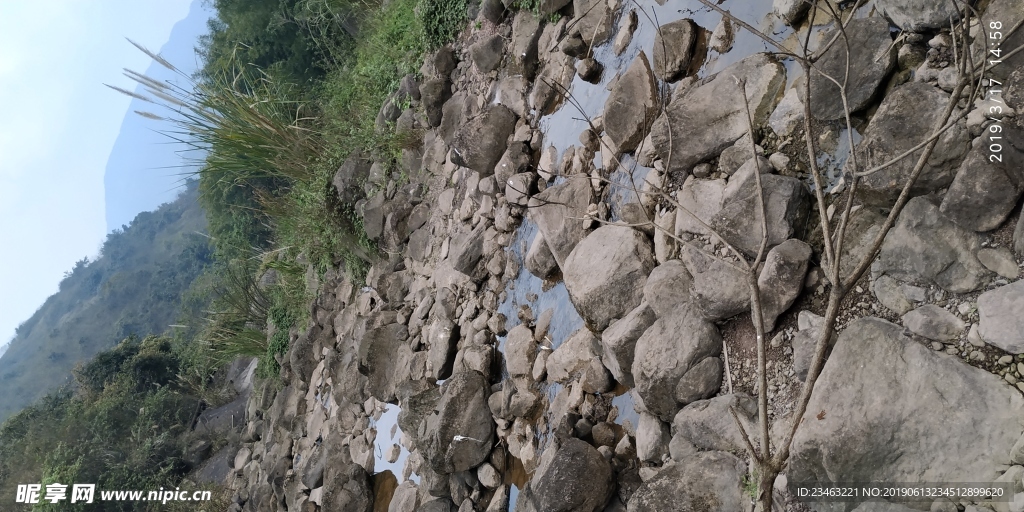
(442, 20)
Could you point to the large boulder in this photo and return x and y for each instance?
(709, 425)
(349, 179)
(574, 478)
(666, 352)
(667, 287)
(673, 48)
(572, 358)
(926, 248)
(459, 436)
(606, 272)
(905, 118)
(1001, 323)
(709, 118)
(869, 60)
(619, 342)
(782, 279)
(558, 211)
(706, 481)
(520, 350)
(593, 22)
(786, 201)
(984, 192)
(918, 15)
(632, 105)
(487, 52)
(720, 288)
(480, 142)
(523, 47)
(384, 357)
(915, 415)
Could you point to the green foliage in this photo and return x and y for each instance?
(442, 20)
(122, 431)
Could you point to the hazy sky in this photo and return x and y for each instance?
(57, 128)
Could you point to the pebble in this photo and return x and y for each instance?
(937, 346)
(1020, 386)
(977, 356)
(1010, 378)
(1005, 360)
(1020, 368)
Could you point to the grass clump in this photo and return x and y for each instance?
(442, 20)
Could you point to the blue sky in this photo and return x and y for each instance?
(57, 128)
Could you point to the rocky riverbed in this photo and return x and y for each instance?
(550, 332)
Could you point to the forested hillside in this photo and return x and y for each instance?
(135, 286)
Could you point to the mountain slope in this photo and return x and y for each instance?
(134, 287)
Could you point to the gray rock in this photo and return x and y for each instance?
(700, 201)
(984, 192)
(554, 77)
(384, 357)
(487, 52)
(666, 351)
(786, 200)
(712, 117)
(619, 342)
(520, 351)
(788, 115)
(918, 15)
(481, 141)
(539, 260)
(709, 425)
(1000, 320)
(589, 69)
(805, 341)
(926, 248)
(861, 231)
(912, 412)
(518, 187)
(511, 92)
(700, 382)
(596, 378)
(603, 434)
(593, 21)
(719, 290)
(523, 47)
(632, 105)
(466, 250)
(673, 49)
(791, 11)
(871, 58)
(668, 286)
(652, 438)
(573, 477)
(782, 279)
(888, 291)
(707, 481)
(606, 272)
(442, 336)
(906, 114)
(462, 411)
(434, 93)
(934, 323)
(405, 498)
(347, 487)
(1000, 261)
(556, 210)
(348, 180)
(733, 157)
(572, 357)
